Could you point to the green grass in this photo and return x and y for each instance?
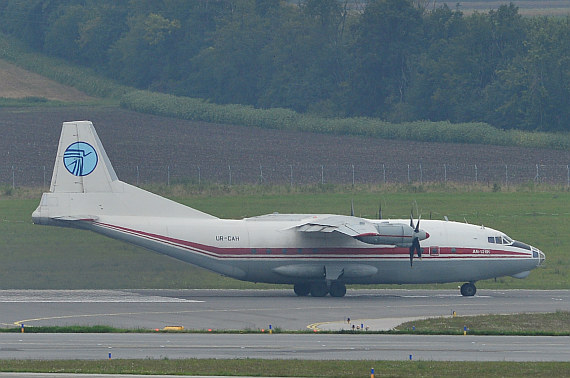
(531, 324)
(39, 257)
(296, 368)
(550, 324)
(35, 257)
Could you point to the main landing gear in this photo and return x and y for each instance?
(320, 289)
(468, 289)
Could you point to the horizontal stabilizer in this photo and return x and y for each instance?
(77, 218)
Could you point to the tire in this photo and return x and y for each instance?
(468, 289)
(319, 289)
(337, 289)
(302, 290)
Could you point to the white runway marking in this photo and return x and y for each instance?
(84, 296)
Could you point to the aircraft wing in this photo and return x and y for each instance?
(347, 225)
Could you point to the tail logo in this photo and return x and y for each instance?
(80, 159)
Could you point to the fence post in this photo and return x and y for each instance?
(408, 173)
(476, 178)
(384, 172)
(445, 173)
(353, 175)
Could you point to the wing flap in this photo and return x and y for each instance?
(346, 225)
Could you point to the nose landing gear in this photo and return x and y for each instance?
(468, 289)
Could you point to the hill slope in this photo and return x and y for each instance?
(17, 82)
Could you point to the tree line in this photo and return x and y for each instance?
(398, 60)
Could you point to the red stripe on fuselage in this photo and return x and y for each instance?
(309, 253)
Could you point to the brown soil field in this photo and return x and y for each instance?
(146, 148)
(16, 82)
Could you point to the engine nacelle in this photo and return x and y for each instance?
(400, 235)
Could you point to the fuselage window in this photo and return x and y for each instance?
(498, 240)
(491, 239)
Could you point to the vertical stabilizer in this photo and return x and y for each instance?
(85, 186)
(82, 165)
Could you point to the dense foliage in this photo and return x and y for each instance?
(392, 59)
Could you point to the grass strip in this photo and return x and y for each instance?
(58, 258)
(294, 368)
(528, 324)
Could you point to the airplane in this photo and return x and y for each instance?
(318, 254)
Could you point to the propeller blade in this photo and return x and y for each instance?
(418, 225)
(411, 219)
(415, 247)
(352, 207)
(416, 244)
(380, 211)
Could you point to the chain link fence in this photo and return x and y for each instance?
(310, 174)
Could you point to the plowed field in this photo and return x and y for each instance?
(145, 148)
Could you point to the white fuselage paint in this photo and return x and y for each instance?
(253, 249)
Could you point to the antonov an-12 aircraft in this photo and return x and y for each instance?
(317, 253)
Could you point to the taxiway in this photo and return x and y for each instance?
(256, 310)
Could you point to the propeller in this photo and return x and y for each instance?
(352, 207)
(415, 247)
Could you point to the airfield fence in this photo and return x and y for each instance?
(297, 175)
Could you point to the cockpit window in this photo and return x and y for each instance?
(500, 239)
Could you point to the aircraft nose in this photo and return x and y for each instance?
(537, 253)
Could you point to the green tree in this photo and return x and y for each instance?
(534, 91)
(140, 55)
(388, 36)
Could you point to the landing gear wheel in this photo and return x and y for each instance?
(302, 290)
(319, 289)
(337, 289)
(468, 289)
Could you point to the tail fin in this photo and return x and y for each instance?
(85, 187)
(81, 165)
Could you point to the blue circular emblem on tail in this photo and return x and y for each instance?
(80, 159)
